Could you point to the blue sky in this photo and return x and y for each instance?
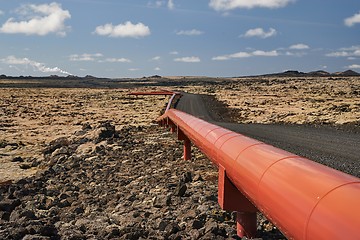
(135, 38)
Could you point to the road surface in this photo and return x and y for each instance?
(327, 145)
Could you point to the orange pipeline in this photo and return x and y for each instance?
(304, 199)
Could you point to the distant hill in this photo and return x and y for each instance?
(347, 73)
(319, 73)
(51, 77)
(288, 73)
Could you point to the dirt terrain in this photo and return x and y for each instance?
(89, 163)
(31, 118)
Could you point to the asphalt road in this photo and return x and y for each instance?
(327, 145)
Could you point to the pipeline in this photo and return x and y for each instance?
(304, 199)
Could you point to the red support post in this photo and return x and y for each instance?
(173, 128)
(187, 144)
(231, 199)
(172, 125)
(187, 149)
(246, 224)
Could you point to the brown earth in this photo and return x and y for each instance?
(31, 118)
(90, 164)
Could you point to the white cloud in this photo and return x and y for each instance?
(91, 57)
(119, 60)
(338, 54)
(256, 53)
(159, 3)
(354, 66)
(174, 53)
(351, 21)
(352, 48)
(134, 69)
(299, 46)
(193, 32)
(171, 4)
(261, 53)
(226, 5)
(126, 29)
(353, 51)
(157, 69)
(156, 4)
(259, 32)
(156, 58)
(85, 57)
(221, 58)
(41, 20)
(1, 13)
(37, 66)
(188, 59)
(295, 54)
(239, 55)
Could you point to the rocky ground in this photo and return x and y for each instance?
(101, 183)
(31, 118)
(90, 164)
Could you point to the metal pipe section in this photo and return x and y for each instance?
(304, 199)
(171, 100)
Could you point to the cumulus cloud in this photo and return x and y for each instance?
(40, 20)
(156, 4)
(117, 60)
(188, 59)
(159, 3)
(37, 66)
(299, 46)
(171, 4)
(353, 51)
(123, 30)
(226, 5)
(354, 66)
(193, 32)
(296, 50)
(351, 21)
(174, 53)
(259, 32)
(85, 57)
(156, 58)
(157, 69)
(295, 54)
(91, 57)
(256, 53)
(339, 54)
(261, 53)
